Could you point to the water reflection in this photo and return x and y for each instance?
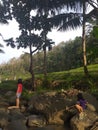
(51, 127)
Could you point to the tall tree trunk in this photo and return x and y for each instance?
(84, 41)
(45, 83)
(45, 38)
(45, 67)
(45, 60)
(31, 67)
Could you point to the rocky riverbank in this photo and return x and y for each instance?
(47, 108)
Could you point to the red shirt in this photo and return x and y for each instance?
(19, 89)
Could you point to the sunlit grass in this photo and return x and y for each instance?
(64, 77)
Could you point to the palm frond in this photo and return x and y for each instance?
(67, 21)
(71, 24)
(57, 4)
(92, 13)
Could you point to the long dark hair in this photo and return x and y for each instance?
(80, 96)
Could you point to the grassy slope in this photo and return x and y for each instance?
(65, 78)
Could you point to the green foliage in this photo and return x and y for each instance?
(95, 32)
(92, 85)
(58, 80)
(5, 14)
(8, 85)
(27, 83)
(73, 78)
(26, 94)
(92, 46)
(65, 56)
(46, 83)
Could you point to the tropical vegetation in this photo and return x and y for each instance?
(42, 16)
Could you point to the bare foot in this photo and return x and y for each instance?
(12, 107)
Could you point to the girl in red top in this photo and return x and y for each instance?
(18, 94)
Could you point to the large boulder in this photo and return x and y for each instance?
(3, 119)
(47, 104)
(47, 108)
(11, 97)
(91, 100)
(83, 124)
(15, 114)
(53, 105)
(16, 125)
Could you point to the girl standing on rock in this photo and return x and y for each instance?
(18, 94)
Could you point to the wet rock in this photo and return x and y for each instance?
(47, 108)
(16, 125)
(82, 124)
(15, 114)
(36, 120)
(3, 119)
(95, 126)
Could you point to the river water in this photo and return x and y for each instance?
(51, 127)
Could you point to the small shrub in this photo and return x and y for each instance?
(27, 94)
(46, 84)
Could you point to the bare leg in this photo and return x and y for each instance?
(80, 110)
(17, 104)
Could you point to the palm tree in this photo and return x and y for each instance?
(62, 21)
(69, 20)
(46, 10)
(91, 14)
(47, 43)
(58, 19)
(84, 39)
